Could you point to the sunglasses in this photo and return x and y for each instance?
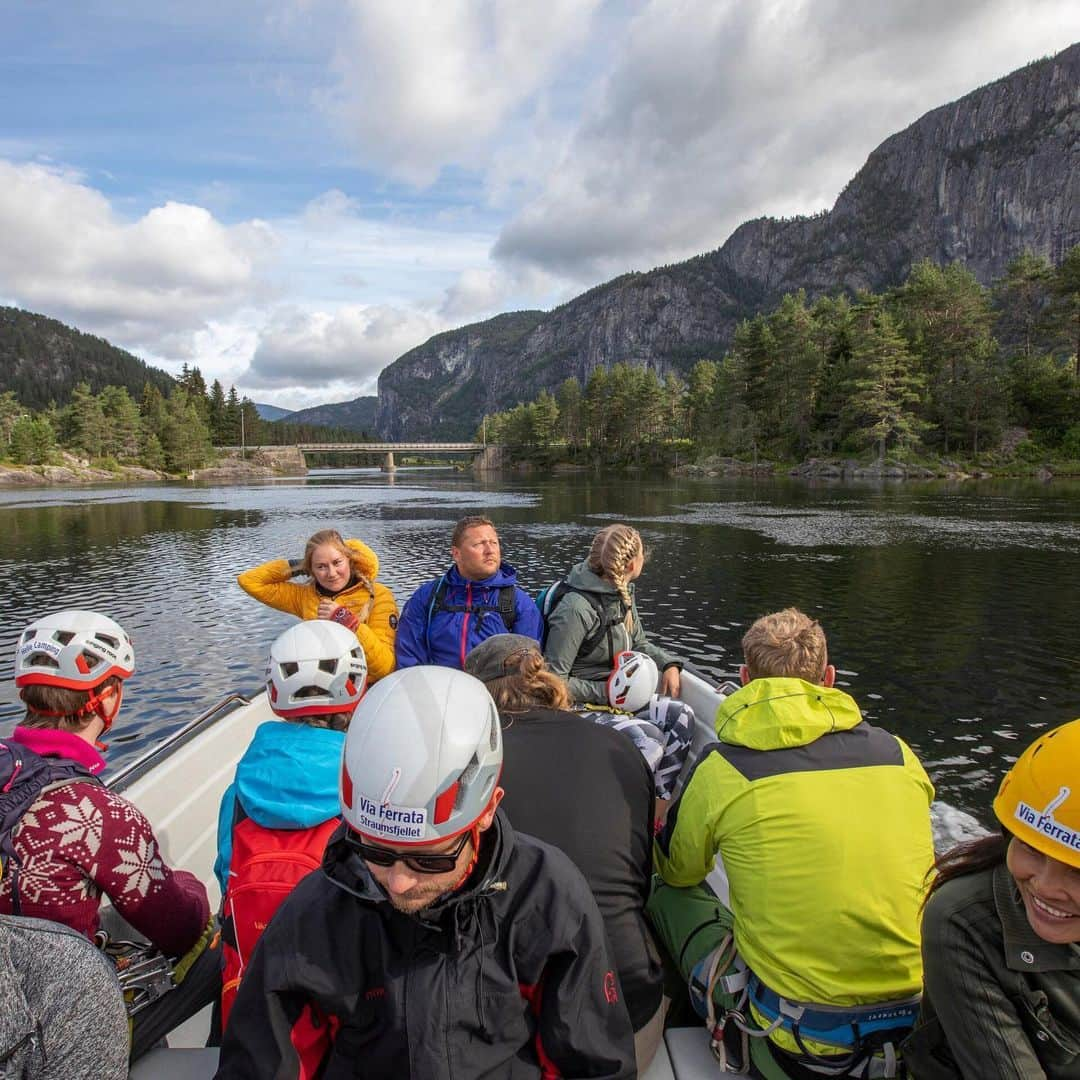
(441, 862)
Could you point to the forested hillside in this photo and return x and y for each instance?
(42, 361)
(939, 366)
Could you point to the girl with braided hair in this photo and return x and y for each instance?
(594, 619)
(341, 587)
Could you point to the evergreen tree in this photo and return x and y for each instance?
(886, 388)
(1022, 299)
(216, 412)
(545, 418)
(152, 410)
(185, 439)
(251, 424)
(152, 455)
(569, 401)
(230, 425)
(673, 405)
(21, 445)
(10, 411)
(699, 394)
(122, 433)
(1064, 314)
(87, 422)
(597, 391)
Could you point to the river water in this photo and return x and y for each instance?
(953, 613)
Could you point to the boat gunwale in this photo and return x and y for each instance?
(125, 777)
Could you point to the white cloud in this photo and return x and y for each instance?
(428, 84)
(300, 350)
(65, 251)
(716, 112)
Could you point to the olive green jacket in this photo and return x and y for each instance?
(1000, 1003)
(574, 618)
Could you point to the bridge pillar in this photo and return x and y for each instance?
(490, 459)
(388, 462)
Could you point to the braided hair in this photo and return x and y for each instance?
(614, 547)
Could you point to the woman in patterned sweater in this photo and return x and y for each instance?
(79, 840)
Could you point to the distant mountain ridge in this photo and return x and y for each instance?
(978, 181)
(42, 361)
(356, 415)
(272, 412)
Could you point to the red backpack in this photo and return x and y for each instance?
(265, 866)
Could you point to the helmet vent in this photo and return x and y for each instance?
(42, 660)
(329, 666)
(63, 636)
(92, 660)
(493, 735)
(310, 692)
(113, 643)
(289, 668)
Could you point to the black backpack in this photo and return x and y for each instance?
(547, 600)
(505, 607)
(24, 775)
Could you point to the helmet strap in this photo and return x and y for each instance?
(474, 836)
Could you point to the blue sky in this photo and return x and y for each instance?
(290, 194)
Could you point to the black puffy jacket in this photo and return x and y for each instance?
(508, 977)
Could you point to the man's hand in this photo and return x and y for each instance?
(671, 682)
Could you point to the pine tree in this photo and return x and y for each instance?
(22, 440)
(597, 392)
(1065, 308)
(886, 388)
(545, 418)
(87, 422)
(185, 439)
(122, 434)
(10, 411)
(700, 426)
(1022, 299)
(216, 412)
(569, 400)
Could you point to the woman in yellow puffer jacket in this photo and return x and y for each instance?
(341, 587)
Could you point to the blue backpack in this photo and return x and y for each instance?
(24, 775)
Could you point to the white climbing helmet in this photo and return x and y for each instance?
(422, 757)
(73, 649)
(632, 681)
(316, 668)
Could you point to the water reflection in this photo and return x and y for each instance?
(953, 615)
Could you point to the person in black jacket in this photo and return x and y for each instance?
(606, 828)
(435, 942)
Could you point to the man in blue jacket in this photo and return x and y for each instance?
(475, 599)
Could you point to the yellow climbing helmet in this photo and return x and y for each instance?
(1039, 798)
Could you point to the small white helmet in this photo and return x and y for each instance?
(316, 668)
(73, 649)
(632, 681)
(422, 757)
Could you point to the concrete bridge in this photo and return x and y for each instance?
(485, 456)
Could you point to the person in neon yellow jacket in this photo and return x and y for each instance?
(822, 823)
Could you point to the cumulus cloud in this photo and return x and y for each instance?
(712, 113)
(426, 84)
(66, 251)
(350, 346)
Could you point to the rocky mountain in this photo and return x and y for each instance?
(43, 360)
(978, 181)
(356, 415)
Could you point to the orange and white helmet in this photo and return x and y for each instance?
(422, 757)
(316, 668)
(73, 649)
(1039, 798)
(632, 681)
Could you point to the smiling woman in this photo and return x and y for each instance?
(341, 588)
(1001, 930)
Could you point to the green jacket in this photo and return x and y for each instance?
(823, 824)
(1000, 1003)
(574, 618)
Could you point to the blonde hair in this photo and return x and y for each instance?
(333, 537)
(786, 644)
(58, 708)
(530, 686)
(614, 547)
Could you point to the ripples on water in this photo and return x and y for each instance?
(954, 616)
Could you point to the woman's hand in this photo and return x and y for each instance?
(671, 682)
(339, 614)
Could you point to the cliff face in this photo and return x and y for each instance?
(978, 182)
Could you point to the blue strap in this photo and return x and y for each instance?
(844, 1026)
